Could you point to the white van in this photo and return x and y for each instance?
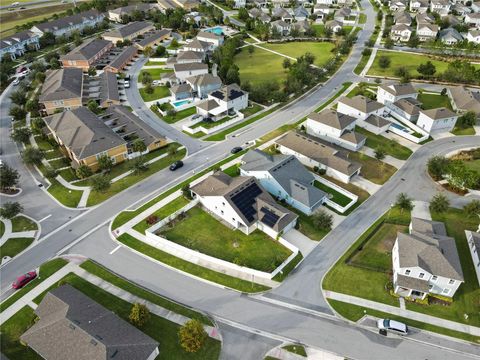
(393, 326)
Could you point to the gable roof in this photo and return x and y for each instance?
(361, 103)
(189, 55)
(439, 113)
(464, 99)
(228, 92)
(83, 132)
(204, 80)
(153, 37)
(190, 67)
(127, 53)
(209, 35)
(87, 50)
(399, 89)
(63, 22)
(130, 8)
(332, 118)
(450, 33)
(62, 84)
(129, 29)
(8, 41)
(377, 121)
(72, 323)
(197, 44)
(109, 87)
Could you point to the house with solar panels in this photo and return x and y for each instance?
(242, 203)
(284, 177)
(227, 100)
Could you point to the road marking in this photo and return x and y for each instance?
(118, 247)
(45, 218)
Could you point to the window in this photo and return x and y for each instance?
(221, 212)
(421, 275)
(434, 278)
(407, 272)
(451, 282)
(233, 219)
(223, 203)
(446, 291)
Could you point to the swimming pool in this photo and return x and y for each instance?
(180, 103)
(216, 30)
(399, 127)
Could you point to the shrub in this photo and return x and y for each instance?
(139, 314)
(192, 336)
(151, 220)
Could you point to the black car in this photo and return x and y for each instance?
(176, 165)
(236, 149)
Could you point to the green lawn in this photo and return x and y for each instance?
(362, 19)
(134, 289)
(12, 329)
(67, 197)
(162, 213)
(466, 300)
(191, 268)
(410, 61)
(13, 246)
(260, 66)
(233, 170)
(305, 224)
(2, 228)
(22, 223)
(319, 30)
(459, 131)
(365, 282)
(68, 174)
(182, 114)
(374, 170)
(355, 313)
(155, 73)
(200, 231)
(337, 197)
(160, 329)
(433, 101)
(391, 147)
(473, 164)
(159, 92)
(296, 349)
(46, 270)
(321, 50)
(154, 63)
(251, 109)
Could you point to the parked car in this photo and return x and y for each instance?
(24, 279)
(156, 83)
(176, 165)
(196, 116)
(126, 84)
(15, 82)
(23, 71)
(393, 326)
(236, 149)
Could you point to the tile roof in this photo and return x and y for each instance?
(62, 84)
(332, 118)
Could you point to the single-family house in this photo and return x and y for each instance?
(69, 322)
(181, 91)
(197, 46)
(343, 14)
(183, 71)
(122, 59)
(202, 85)
(301, 26)
(62, 89)
(400, 32)
(326, 2)
(425, 261)
(388, 94)
(473, 36)
(129, 31)
(282, 14)
(279, 3)
(437, 120)
(334, 25)
(229, 99)
(476, 6)
(281, 27)
(424, 18)
(285, 178)
(211, 38)
(402, 17)
(258, 14)
(19, 43)
(240, 4)
(473, 240)
(405, 108)
(118, 14)
(427, 31)
(153, 39)
(375, 124)
(450, 36)
(473, 20)
(312, 151)
(335, 127)
(242, 203)
(319, 9)
(184, 57)
(301, 13)
(68, 24)
(464, 100)
(85, 55)
(398, 5)
(360, 107)
(441, 7)
(419, 6)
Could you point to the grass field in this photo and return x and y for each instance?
(337, 197)
(433, 101)
(260, 66)
(22, 223)
(2, 228)
(372, 169)
(155, 73)
(14, 246)
(321, 50)
(200, 231)
(473, 164)
(159, 92)
(391, 147)
(410, 61)
(182, 114)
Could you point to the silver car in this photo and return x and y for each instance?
(393, 326)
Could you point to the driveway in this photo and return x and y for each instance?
(303, 243)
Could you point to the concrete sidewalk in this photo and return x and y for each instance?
(388, 159)
(413, 315)
(8, 231)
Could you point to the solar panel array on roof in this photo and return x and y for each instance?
(269, 218)
(245, 200)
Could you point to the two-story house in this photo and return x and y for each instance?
(184, 71)
(85, 55)
(211, 38)
(68, 24)
(225, 101)
(464, 100)
(400, 32)
(425, 261)
(441, 7)
(473, 20)
(62, 89)
(450, 36)
(427, 31)
(473, 36)
(388, 94)
(284, 177)
(473, 240)
(420, 6)
(19, 43)
(335, 127)
(129, 31)
(360, 107)
(202, 85)
(437, 120)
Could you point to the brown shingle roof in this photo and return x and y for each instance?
(62, 84)
(438, 114)
(87, 51)
(361, 103)
(332, 118)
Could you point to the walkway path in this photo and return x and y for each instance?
(365, 184)
(412, 315)
(8, 231)
(397, 163)
(371, 59)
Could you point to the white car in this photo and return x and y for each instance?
(393, 326)
(126, 84)
(156, 83)
(15, 82)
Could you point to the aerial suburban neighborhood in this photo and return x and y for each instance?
(239, 179)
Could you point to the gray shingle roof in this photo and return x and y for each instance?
(399, 89)
(137, 7)
(440, 113)
(376, 121)
(190, 67)
(109, 87)
(82, 132)
(410, 105)
(63, 22)
(62, 84)
(129, 29)
(204, 79)
(152, 38)
(464, 99)
(228, 92)
(16, 38)
(198, 44)
(361, 103)
(72, 323)
(332, 118)
(87, 50)
(127, 53)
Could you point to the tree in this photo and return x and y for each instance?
(192, 336)
(100, 183)
(160, 51)
(233, 75)
(21, 135)
(461, 177)
(32, 156)
(146, 78)
(404, 202)
(439, 203)
(18, 97)
(379, 153)
(466, 120)
(32, 105)
(17, 112)
(322, 220)
(251, 50)
(138, 145)
(472, 208)
(93, 106)
(148, 51)
(427, 69)
(8, 177)
(389, 43)
(105, 163)
(437, 167)
(139, 314)
(384, 62)
(54, 64)
(84, 171)
(414, 41)
(92, 71)
(139, 165)
(149, 88)
(286, 63)
(10, 209)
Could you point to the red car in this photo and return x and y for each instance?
(24, 280)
